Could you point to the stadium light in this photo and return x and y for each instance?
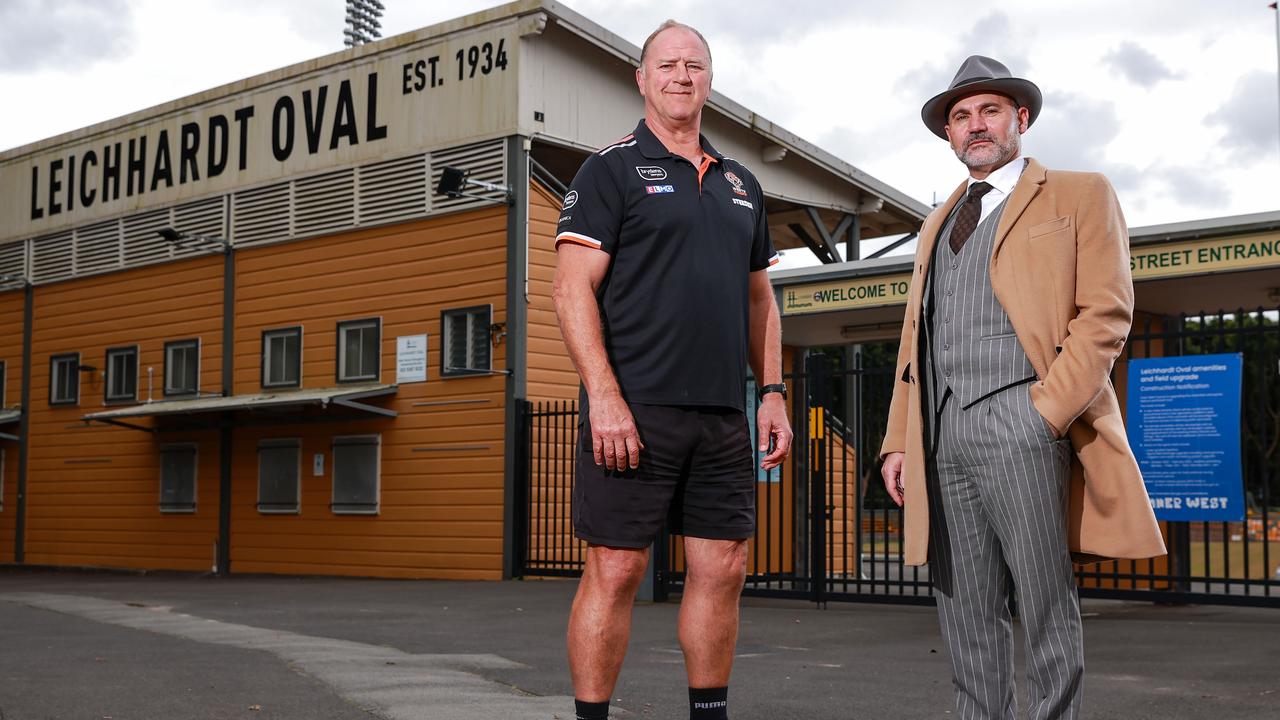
(453, 180)
(362, 22)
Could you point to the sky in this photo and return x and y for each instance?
(1174, 100)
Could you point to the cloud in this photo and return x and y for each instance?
(1248, 118)
(993, 35)
(306, 19)
(742, 25)
(62, 34)
(1138, 65)
(1073, 133)
(1195, 187)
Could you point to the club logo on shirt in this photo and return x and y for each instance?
(736, 182)
(651, 173)
(570, 199)
(657, 189)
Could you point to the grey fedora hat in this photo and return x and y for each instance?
(979, 74)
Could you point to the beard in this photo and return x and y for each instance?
(995, 153)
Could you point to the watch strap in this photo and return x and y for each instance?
(780, 388)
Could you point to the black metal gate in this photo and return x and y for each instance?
(826, 529)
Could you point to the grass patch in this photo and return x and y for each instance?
(1230, 561)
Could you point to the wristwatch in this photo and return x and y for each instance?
(780, 388)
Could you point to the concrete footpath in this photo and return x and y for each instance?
(175, 647)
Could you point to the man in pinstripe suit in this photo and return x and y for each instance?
(1021, 300)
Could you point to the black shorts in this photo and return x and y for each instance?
(696, 472)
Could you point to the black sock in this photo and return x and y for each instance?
(709, 703)
(592, 711)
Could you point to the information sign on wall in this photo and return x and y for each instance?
(411, 359)
(1183, 422)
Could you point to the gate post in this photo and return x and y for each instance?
(520, 495)
(816, 368)
(1180, 537)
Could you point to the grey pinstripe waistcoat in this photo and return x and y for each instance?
(972, 346)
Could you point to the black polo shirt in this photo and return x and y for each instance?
(683, 240)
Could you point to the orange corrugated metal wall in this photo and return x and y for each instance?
(93, 492)
(551, 372)
(11, 309)
(441, 508)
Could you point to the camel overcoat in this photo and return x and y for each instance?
(1060, 268)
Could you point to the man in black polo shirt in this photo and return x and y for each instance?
(663, 299)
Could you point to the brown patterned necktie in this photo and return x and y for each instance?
(967, 218)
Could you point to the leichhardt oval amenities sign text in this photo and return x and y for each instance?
(845, 294)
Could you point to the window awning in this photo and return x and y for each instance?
(9, 417)
(282, 406)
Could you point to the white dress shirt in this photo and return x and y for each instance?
(1001, 180)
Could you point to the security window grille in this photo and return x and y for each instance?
(182, 367)
(122, 374)
(355, 474)
(178, 478)
(282, 357)
(465, 345)
(279, 475)
(359, 350)
(64, 379)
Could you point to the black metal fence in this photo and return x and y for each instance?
(826, 529)
(1215, 562)
(550, 433)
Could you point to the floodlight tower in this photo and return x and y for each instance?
(362, 22)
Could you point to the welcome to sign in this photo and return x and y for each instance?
(845, 294)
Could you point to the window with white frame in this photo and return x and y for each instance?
(181, 367)
(282, 357)
(359, 350)
(465, 340)
(64, 379)
(279, 475)
(178, 478)
(122, 374)
(356, 473)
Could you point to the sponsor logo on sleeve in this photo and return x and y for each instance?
(658, 189)
(570, 199)
(651, 172)
(736, 182)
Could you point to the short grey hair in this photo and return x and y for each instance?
(669, 24)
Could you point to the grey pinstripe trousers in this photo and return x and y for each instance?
(997, 501)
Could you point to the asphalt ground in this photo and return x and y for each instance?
(93, 646)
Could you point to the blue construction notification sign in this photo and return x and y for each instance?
(1183, 422)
